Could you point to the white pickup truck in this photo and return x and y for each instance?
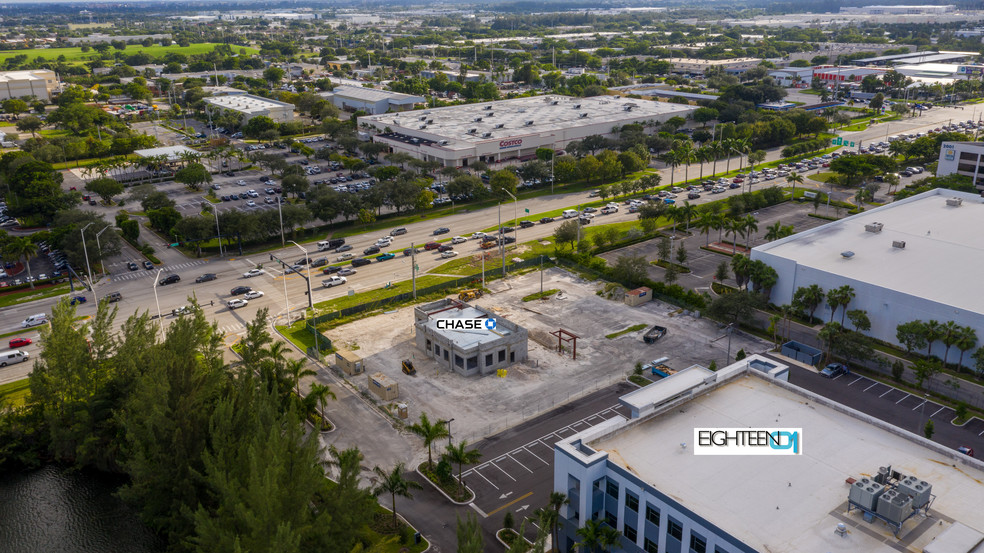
(609, 209)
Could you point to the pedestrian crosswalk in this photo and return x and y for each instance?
(132, 275)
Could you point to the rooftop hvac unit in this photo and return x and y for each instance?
(627, 108)
(422, 118)
(873, 227)
(577, 106)
(583, 115)
(477, 119)
(954, 202)
(486, 135)
(422, 127)
(529, 123)
(896, 508)
(500, 125)
(472, 131)
(430, 121)
(900, 244)
(847, 254)
(865, 493)
(443, 142)
(885, 501)
(488, 107)
(918, 489)
(554, 103)
(490, 114)
(883, 474)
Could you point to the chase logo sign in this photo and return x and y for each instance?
(748, 441)
(514, 143)
(477, 323)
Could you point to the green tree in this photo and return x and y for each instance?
(394, 484)
(721, 273)
(663, 248)
(630, 269)
(295, 184)
(469, 535)
(460, 455)
(105, 188)
(273, 75)
(929, 429)
(859, 318)
(257, 126)
(21, 247)
(31, 124)
(808, 298)
(429, 432)
(912, 335)
(590, 535)
(568, 232)
(164, 219)
(926, 369)
(194, 175)
(14, 106)
(351, 506)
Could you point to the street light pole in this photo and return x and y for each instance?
(449, 430)
(158, 302)
(218, 234)
(307, 261)
(730, 330)
(85, 252)
(502, 242)
(99, 248)
(280, 202)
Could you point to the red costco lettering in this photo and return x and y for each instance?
(510, 143)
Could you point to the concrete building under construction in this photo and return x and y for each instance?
(468, 339)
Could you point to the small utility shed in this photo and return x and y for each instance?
(383, 386)
(638, 296)
(348, 362)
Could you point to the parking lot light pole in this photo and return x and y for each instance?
(280, 211)
(515, 216)
(85, 252)
(449, 430)
(99, 248)
(158, 302)
(218, 234)
(307, 261)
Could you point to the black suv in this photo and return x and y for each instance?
(169, 279)
(371, 250)
(239, 290)
(359, 262)
(132, 266)
(206, 277)
(526, 224)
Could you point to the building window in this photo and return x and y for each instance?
(611, 519)
(459, 361)
(968, 156)
(697, 544)
(631, 502)
(488, 360)
(437, 349)
(512, 356)
(968, 167)
(629, 533)
(502, 355)
(428, 344)
(445, 355)
(652, 515)
(719, 550)
(473, 362)
(611, 488)
(676, 530)
(651, 546)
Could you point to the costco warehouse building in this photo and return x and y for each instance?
(495, 131)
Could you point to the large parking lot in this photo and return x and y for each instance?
(483, 405)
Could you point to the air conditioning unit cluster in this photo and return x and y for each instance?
(582, 116)
(898, 244)
(472, 131)
(488, 107)
(529, 123)
(500, 125)
(486, 135)
(874, 227)
(954, 202)
(577, 106)
(477, 119)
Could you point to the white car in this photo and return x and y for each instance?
(241, 182)
(384, 241)
(251, 203)
(237, 303)
(252, 273)
(449, 253)
(345, 256)
(253, 294)
(458, 240)
(477, 236)
(334, 281)
(43, 276)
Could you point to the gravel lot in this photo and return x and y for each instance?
(482, 406)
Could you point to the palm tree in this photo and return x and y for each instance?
(21, 247)
(590, 535)
(833, 301)
(840, 297)
(686, 155)
(966, 341)
(460, 455)
(320, 393)
(557, 500)
(704, 154)
(750, 226)
(741, 145)
(728, 145)
(687, 213)
(671, 158)
(296, 369)
(794, 178)
(672, 213)
(716, 150)
(395, 484)
(705, 223)
(735, 227)
(610, 538)
(950, 332)
(934, 331)
(773, 232)
(720, 223)
(810, 298)
(430, 432)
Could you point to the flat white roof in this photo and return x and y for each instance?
(465, 338)
(943, 250)
(790, 504)
(33, 75)
(548, 113)
(246, 103)
(374, 95)
(173, 153)
(668, 388)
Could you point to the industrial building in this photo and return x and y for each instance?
(371, 100)
(252, 106)
(695, 66)
(913, 259)
(899, 10)
(836, 76)
(962, 158)
(36, 82)
(836, 480)
(468, 339)
(494, 131)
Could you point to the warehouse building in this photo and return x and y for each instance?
(695, 66)
(468, 339)
(495, 131)
(834, 480)
(40, 83)
(252, 106)
(899, 10)
(371, 100)
(913, 259)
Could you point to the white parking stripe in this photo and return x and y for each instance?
(483, 478)
(920, 405)
(890, 389)
(856, 381)
(903, 399)
(937, 412)
(535, 455)
(520, 464)
(870, 387)
(503, 472)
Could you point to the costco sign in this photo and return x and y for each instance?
(514, 143)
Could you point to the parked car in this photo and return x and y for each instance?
(19, 343)
(205, 278)
(253, 294)
(132, 266)
(834, 369)
(148, 265)
(240, 290)
(334, 281)
(252, 273)
(237, 303)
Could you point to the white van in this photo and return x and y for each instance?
(13, 356)
(570, 213)
(35, 320)
(893, 138)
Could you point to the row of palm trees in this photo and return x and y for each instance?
(739, 227)
(685, 152)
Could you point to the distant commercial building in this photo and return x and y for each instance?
(789, 77)
(36, 82)
(900, 10)
(918, 57)
(96, 38)
(223, 91)
(659, 478)
(913, 259)
(371, 100)
(468, 77)
(494, 131)
(694, 66)
(962, 158)
(468, 339)
(252, 106)
(838, 75)
(173, 153)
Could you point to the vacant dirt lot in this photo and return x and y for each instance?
(483, 405)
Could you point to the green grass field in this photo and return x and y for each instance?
(77, 55)
(15, 393)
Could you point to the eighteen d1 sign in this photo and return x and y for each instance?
(748, 441)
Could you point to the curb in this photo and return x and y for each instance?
(436, 487)
(504, 544)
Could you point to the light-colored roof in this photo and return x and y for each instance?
(453, 123)
(943, 250)
(788, 504)
(696, 61)
(173, 153)
(669, 387)
(246, 103)
(374, 95)
(35, 75)
(465, 338)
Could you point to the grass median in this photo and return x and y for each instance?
(24, 296)
(15, 393)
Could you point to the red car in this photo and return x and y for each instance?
(19, 342)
